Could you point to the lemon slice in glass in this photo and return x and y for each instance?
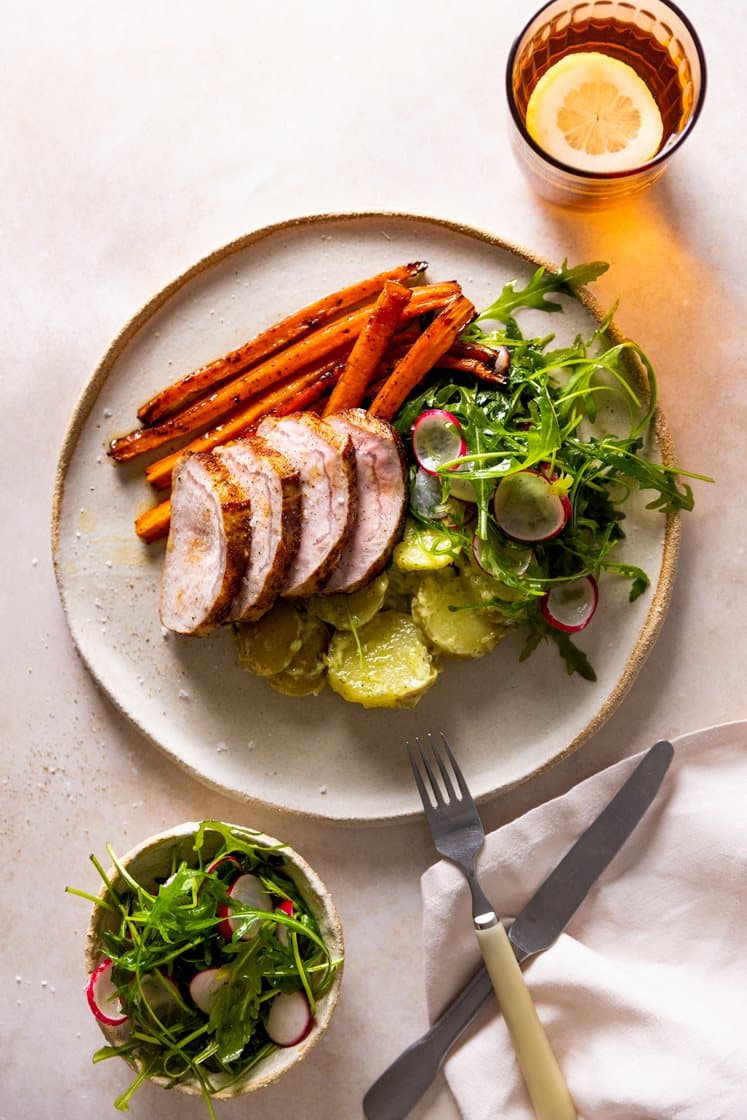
(594, 113)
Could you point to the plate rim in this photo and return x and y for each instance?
(661, 593)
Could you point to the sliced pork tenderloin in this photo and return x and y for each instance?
(208, 545)
(274, 488)
(325, 459)
(381, 473)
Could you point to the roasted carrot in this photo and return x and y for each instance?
(315, 392)
(422, 356)
(369, 347)
(154, 523)
(316, 346)
(466, 358)
(292, 396)
(483, 371)
(488, 354)
(375, 387)
(480, 361)
(201, 381)
(486, 363)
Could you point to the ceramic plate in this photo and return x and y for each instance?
(318, 756)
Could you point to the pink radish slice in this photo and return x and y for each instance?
(478, 547)
(426, 495)
(161, 995)
(204, 987)
(571, 606)
(285, 907)
(249, 890)
(502, 359)
(289, 1020)
(426, 499)
(461, 488)
(517, 560)
(528, 508)
(102, 996)
(223, 863)
(459, 514)
(436, 439)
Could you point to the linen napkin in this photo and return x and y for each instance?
(644, 997)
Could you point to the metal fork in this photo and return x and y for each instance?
(459, 835)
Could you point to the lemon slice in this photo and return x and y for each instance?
(594, 113)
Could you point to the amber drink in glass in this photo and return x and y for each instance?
(655, 39)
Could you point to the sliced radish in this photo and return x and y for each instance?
(102, 996)
(516, 560)
(285, 907)
(249, 890)
(204, 987)
(570, 606)
(289, 1020)
(502, 359)
(223, 864)
(436, 439)
(426, 495)
(461, 488)
(478, 550)
(161, 995)
(527, 507)
(459, 514)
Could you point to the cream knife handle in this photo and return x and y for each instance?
(544, 1081)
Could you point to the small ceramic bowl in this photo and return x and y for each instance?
(151, 861)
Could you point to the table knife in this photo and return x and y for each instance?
(543, 919)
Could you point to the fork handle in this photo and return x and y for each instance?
(544, 1081)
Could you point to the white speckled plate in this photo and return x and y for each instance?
(317, 756)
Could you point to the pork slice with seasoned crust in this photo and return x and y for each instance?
(208, 545)
(325, 459)
(274, 488)
(382, 499)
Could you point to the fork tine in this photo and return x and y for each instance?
(455, 767)
(435, 787)
(424, 795)
(445, 775)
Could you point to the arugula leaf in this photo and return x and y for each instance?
(575, 659)
(235, 1015)
(536, 291)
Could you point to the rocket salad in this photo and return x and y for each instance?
(536, 497)
(205, 973)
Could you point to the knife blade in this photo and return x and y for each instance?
(398, 1089)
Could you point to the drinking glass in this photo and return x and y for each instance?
(653, 37)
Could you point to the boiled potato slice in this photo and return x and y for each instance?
(402, 587)
(267, 646)
(424, 548)
(349, 612)
(459, 632)
(486, 587)
(388, 666)
(304, 675)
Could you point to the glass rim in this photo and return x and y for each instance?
(606, 176)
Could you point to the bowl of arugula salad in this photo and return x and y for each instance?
(214, 957)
